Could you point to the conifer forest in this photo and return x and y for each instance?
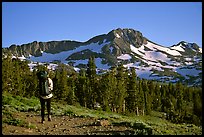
(118, 90)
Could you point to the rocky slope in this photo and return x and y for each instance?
(180, 62)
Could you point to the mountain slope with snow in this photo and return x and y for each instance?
(181, 62)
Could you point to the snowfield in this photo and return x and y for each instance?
(179, 48)
(124, 57)
(48, 57)
(185, 72)
(164, 49)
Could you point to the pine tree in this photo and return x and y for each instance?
(163, 98)
(91, 89)
(24, 81)
(71, 98)
(112, 89)
(81, 88)
(132, 91)
(151, 93)
(197, 103)
(141, 99)
(60, 85)
(17, 75)
(32, 82)
(91, 69)
(157, 98)
(147, 98)
(121, 89)
(179, 93)
(7, 74)
(105, 91)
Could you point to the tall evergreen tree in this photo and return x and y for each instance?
(147, 98)
(91, 75)
(121, 89)
(105, 91)
(151, 93)
(18, 79)
(141, 99)
(163, 98)
(81, 88)
(157, 98)
(91, 69)
(132, 91)
(71, 98)
(7, 74)
(197, 103)
(179, 93)
(60, 85)
(32, 82)
(112, 88)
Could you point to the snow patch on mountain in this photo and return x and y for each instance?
(105, 40)
(155, 47)
(147, 72)
(32, 65)
(22, 58)
(98, 62)
(197, 60)
(188, 59)
(135, 50)
(50, 66)
(188, 71)
(117, 35)
(155, 56)
(81, 61)
(188, 63)
(111, 49)
(179, 48)
(144, 72)
(48, 57)
(200, 50)
(124, 57)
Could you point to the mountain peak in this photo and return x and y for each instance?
(125, 30)
(121, 45)
(129, 36)
(192, 46)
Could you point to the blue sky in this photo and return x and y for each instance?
(166, 23)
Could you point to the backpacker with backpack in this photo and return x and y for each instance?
(43, 83)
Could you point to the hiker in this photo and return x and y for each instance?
(45, 88)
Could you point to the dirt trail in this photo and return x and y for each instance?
(63, 125)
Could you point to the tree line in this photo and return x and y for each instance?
(118, 90)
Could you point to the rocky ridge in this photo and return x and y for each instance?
(179, 62)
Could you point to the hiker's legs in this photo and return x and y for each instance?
(49, 109)
(42, 102)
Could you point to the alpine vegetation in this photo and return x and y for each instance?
(120, 72)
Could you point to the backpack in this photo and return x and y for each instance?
(43, 83)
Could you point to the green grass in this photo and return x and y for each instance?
(142, 125)
(18, 122)
(20, 103)
(7, 117)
